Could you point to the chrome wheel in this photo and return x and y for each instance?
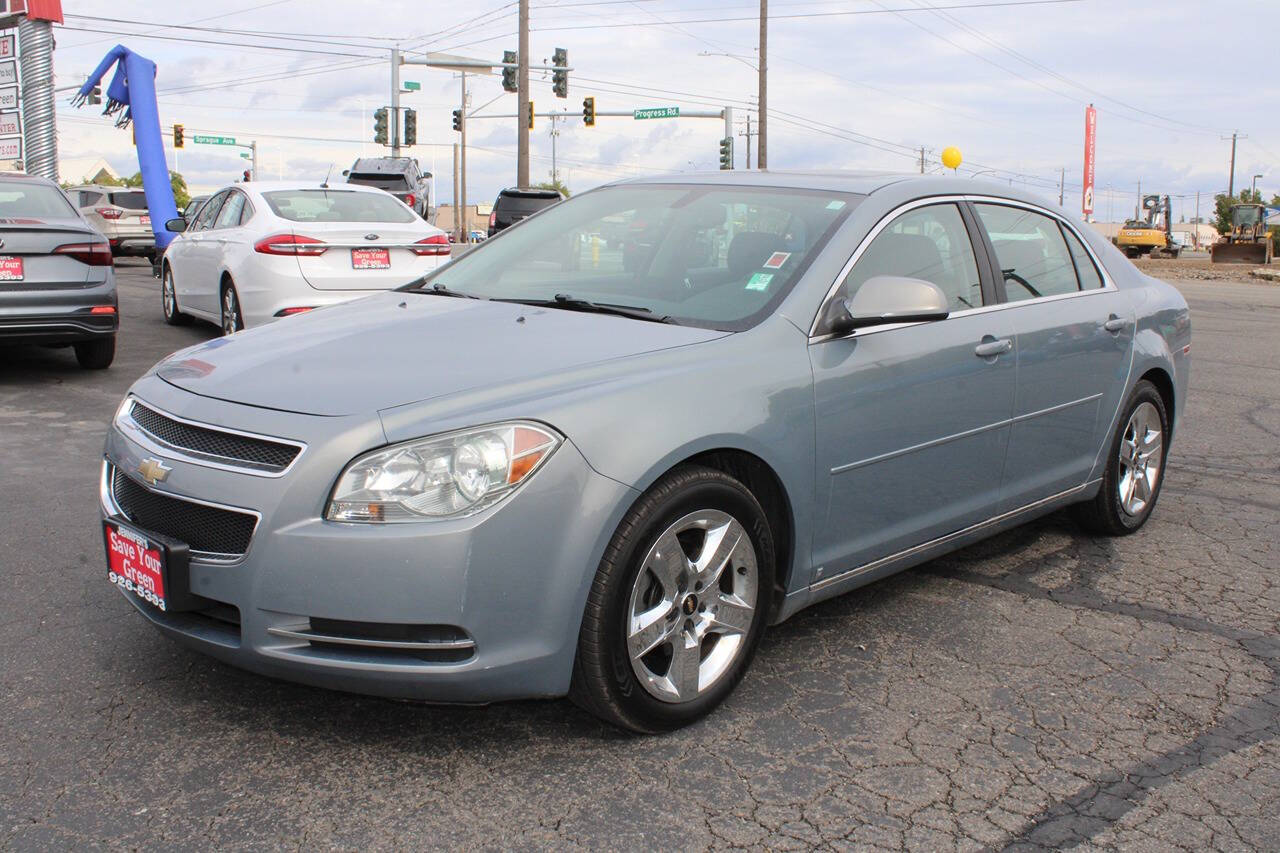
(692, 605)
(1141, 455)
(230, 311)
(167, 294)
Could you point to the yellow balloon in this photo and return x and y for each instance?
(951, 157)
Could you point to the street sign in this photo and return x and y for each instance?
(6, 47)
(245, 154)
(214, 140)
(9, 125)
(11, 149)
(657, 112)
(412, 86)
(9, 98)
(9, 72)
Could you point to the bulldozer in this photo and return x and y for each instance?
(1248, 241)
(1153, 235)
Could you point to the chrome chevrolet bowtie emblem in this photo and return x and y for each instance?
(153, 470)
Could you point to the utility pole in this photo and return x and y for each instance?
(762, 159)
(1137, 210)
(555, 131)
(1231, 184)
(747, 135)
(253, 160)
(522, 100)
(1062, 184)
(395, 102)
(462, 129)
(922, 159)
(1195, 235)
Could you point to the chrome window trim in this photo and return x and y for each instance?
(134, 430)
(107, 498)
(1108, 285)
(399, 645)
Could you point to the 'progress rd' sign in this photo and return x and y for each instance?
(658, 112)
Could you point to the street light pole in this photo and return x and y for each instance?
(395, 102)
(462, 159)
(1254, 189)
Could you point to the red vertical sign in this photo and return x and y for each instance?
(1090, 141)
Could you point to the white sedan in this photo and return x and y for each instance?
(259, 251)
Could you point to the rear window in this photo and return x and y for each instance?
(337, 206)
(393, 183)
(130, 201)
(524, 204)
(24, 200)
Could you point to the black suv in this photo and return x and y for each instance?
(518, 203)
(400, 176)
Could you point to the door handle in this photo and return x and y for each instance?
(990, 349)
(1115, 324)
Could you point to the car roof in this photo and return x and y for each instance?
(533, 192)
(23, 176)
(383, 164)
(269, 186)
(105, 188)
(857, 182)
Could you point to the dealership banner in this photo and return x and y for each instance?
(1090, 140)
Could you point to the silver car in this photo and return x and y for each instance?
(569, 465)
(57, 285)
(120, 213)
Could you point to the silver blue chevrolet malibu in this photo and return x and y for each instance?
(597, 455)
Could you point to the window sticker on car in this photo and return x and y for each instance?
(759, 281)
(776, 260)
(836, 204)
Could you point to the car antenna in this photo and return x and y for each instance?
(325, 184)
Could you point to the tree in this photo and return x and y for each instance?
(557, 185)
(181, 195)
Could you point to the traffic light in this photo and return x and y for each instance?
(509, 59)
(380, 126)
(95, 95)
(726, 153)
(177, 136)
(560, 75)
(589, 112)
(531, 115)
(410, 127)
(246, 176)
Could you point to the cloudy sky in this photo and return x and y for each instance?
(855, 84)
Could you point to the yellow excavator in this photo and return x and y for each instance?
(1248, 241)
(1151, 236)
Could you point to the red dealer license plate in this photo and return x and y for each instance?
(136, 563)
(10, 268)
(370, 259)
(146, 220)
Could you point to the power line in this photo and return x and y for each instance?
(190, 40)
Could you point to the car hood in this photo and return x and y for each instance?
(395, 348)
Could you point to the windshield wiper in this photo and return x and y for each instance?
(572, 303)
(439, 289)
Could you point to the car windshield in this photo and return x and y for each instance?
(1245, 216)
(713, 256)
(32, 199)
(320, 205)
(394, 182)
(130, 201)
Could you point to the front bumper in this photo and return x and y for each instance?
(496, 599)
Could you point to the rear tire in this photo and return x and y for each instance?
(96, 354)
(169, 300)
(1135, 467)
(668, 632)
(232, 320)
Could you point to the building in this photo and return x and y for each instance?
(477, 217)
(85, 170)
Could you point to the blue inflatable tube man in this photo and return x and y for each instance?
(132, 94)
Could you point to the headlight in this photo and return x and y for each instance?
(442, 476)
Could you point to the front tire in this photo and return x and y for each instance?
(232, 319)
(169, 300)
(678, 604)
(1135, 467)
(96, 354)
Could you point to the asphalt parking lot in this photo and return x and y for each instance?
(1042, 689)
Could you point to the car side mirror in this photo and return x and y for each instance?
(177, 226)
(885, 299)
(346, 172)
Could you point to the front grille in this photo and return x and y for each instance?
(257, 453)
(207, 530)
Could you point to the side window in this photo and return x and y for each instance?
(930, 243)
(1031, 252)
(229, 215)
(246, 211)
(207, 213)
(1090, 279)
